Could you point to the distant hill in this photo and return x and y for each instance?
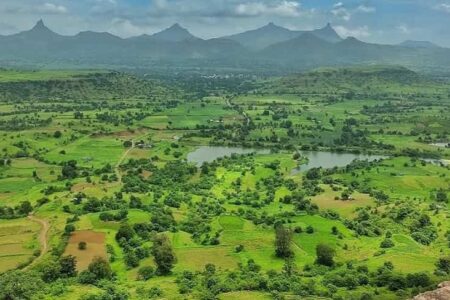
(341, 80)
(271, 34)
(307, 50)
(42, 45)
(418, 44)
(270, 49)
(81, 85)
(175, 33)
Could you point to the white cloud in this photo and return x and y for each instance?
(358, 32)
(160, 4)
(111, 2)
(403, 29)
(445, 7)
(251, 9)
(341, 12)
(50, 8)
(366, 9)
(283, 9)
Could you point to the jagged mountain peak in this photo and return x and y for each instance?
(177, 26)
(272, 25)
(40, 25)
(174, 33)
(39, 32)
(328, 34)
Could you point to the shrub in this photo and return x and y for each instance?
(82, 245)
(387, 243)
(325, 255)
(239, 248)
(146, 272)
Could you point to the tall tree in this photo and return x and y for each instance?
(283, 238)
(163, 254)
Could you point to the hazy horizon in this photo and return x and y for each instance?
(386, 22)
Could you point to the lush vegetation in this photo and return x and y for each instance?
(99, 198)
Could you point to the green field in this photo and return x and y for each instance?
(102, 158)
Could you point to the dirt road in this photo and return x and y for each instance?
(43, 237)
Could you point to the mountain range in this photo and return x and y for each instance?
(267, 48)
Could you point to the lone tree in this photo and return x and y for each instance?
(325, 255)
(82, 245)
(57, 134)
(163, 254)
(283, 238)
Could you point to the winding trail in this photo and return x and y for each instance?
(121, 159)
(124, 155)
(43, 238)
(230, 105)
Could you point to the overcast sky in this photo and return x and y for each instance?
(382, 21)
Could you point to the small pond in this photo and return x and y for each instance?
(328, 160)
(211, 153)
(316, 159)
(441, 145)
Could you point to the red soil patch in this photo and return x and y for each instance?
(146, 174)
(95, 242)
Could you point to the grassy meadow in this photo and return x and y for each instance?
(103, 162)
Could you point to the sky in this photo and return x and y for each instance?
(379, 21)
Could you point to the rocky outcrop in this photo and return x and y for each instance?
(442, 293)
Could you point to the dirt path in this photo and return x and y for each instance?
(43, 238)
(124, 155)
(247, 118)
(121, 159)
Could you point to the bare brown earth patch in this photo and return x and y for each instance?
(95, 246)
(442, 293)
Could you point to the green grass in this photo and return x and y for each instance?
(41, 75)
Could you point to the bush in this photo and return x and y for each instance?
(387, 243)
(57, 134)
(19, 285)
(125, 232)
(82, 245)
(68, 266)
(325, 255)
(146, 272)
(239, 248)
(298, 229)
(443, 265)
(98, 269)
(149, 293)
(418, 280)
(397, 282)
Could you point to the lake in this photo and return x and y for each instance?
(328, 160)
(316, 159)
(211, 153)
